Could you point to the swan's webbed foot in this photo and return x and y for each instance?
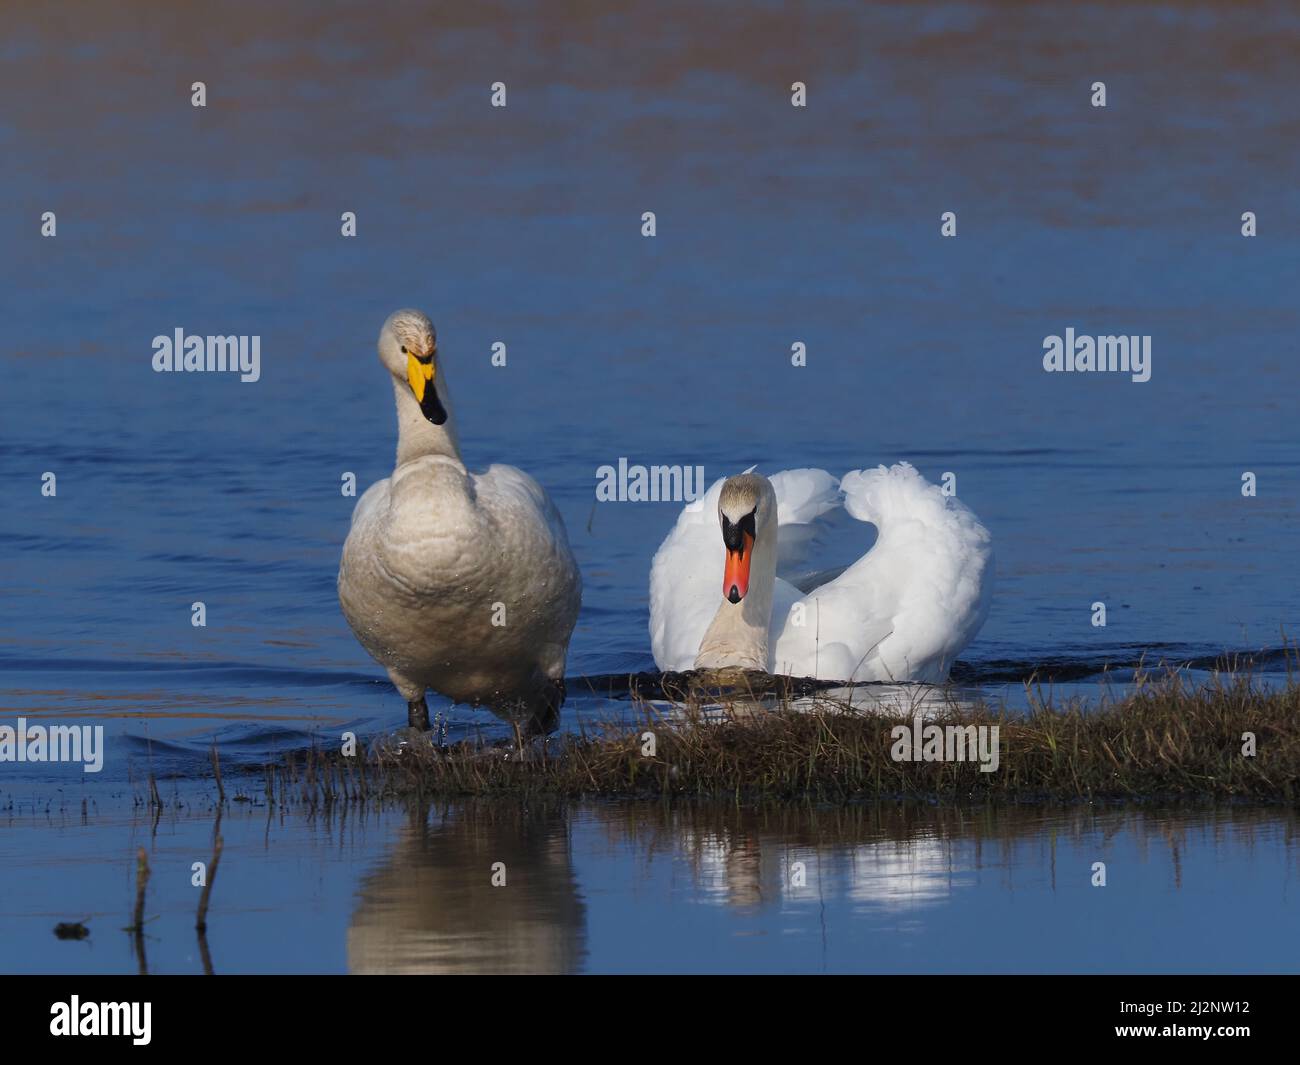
(417, 714)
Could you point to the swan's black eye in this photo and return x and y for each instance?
(403, 349)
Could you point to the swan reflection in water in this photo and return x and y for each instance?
(748, 866)
(432, 907)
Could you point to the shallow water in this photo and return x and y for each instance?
(521, 225)
(630, 888)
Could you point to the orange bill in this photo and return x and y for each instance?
(735, 579)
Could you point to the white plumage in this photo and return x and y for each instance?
(456, 581)
(902, 612)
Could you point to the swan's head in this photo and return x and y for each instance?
(747, 513)
(408, 346)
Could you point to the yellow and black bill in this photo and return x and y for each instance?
(420, 372)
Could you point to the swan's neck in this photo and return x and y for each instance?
(738, 635)
(416, 435)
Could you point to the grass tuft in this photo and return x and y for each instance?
(1165, 739)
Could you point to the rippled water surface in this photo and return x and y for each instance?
(522, 225)
(776, 225)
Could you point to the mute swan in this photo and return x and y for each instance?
(901, 612)
(456, 581)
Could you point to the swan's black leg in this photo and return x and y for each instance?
(417, 714)
(546, 719)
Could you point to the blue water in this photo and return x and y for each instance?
(626, 888)
(522, 225)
